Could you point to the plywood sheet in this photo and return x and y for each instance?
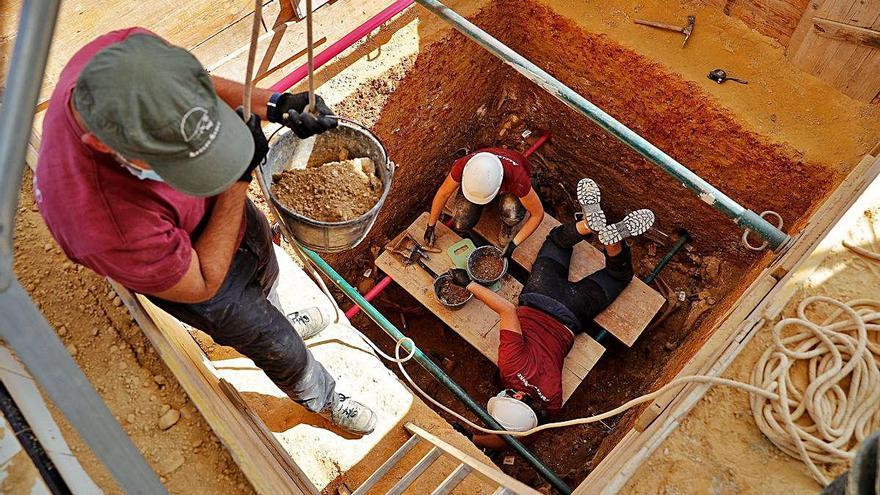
(475, 322)
(626, 318)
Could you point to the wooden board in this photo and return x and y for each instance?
(833, 42)
(626, 318)
(475, 322)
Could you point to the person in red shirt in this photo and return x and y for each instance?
(537, 334)
(479, 178)
(143, 175)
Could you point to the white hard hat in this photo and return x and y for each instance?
(512, 414)
(482, 177)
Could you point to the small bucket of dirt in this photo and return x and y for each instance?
(449, 294)
(486, 265)
(329, 188)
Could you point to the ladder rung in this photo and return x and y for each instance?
(452, 480)
(387, 465)
(415, 472)
(502, 491)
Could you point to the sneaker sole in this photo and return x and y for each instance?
(589, 197)
(636, 223)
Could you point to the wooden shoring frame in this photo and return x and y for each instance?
(761, 302)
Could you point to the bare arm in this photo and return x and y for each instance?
(505, 309)
(447, 189)
(212, 252)
(536, 215)
(232, 93)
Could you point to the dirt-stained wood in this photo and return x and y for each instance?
(475, 322)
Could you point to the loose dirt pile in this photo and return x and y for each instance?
(452, 294)
(332, 192)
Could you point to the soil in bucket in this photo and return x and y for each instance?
(489, 266)
(452, 294)
(332, 192)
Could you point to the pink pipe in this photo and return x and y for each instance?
(336, 48)
(545, 135)
(375, 291)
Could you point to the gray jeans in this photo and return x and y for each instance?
(466, 215)
(241, 316)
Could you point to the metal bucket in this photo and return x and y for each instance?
(357, 141)
(439, 280)
(481, 252)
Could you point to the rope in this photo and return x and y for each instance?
(821, 422)
(252, 56)
(838, 404)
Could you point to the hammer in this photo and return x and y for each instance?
(686, 30)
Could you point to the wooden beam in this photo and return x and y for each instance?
(256, 457)
(845, 32)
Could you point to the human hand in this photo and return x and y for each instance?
(261, 145)
(290, 110)
(430, 236)
(508, 250)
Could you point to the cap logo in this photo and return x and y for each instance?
(198, 130)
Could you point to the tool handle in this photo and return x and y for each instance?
(427, 268)
(660, 25)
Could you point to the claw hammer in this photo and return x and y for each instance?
(685, 30)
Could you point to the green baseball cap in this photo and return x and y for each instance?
(152, 101)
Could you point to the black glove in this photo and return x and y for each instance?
(290, 110)
(261, 146)
(508, 250)
(430, 236)
(459, 277)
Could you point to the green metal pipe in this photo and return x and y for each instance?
(683, 238)
(435, 370)
(746, 219)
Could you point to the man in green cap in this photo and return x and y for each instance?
(143, 175)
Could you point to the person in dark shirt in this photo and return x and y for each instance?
(537, 334)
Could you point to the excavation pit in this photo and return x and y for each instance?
(455, 97)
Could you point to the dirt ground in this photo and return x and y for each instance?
(718, 449)
(122, 366)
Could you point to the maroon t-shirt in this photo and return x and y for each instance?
(517, 173)
(138, 232)
(532, 361)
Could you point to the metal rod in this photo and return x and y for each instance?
(683, 239)
(22, 326)
(745, 218)
(434, 370)
(252, 56)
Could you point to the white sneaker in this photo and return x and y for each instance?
(308, 322)
(589, 197)
(350, 415)
(635, 223)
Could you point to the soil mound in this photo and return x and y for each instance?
(332, 192)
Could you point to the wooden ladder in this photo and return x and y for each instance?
(468, 465)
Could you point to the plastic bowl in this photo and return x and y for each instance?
(477, 255)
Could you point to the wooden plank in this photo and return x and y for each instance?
(196, 375)
(626, 318)
(475, 322)
(847, 33)
(452, 481)
(491, 474)
(416, 471)
(387, 465)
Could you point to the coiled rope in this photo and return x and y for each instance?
(827, 373)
